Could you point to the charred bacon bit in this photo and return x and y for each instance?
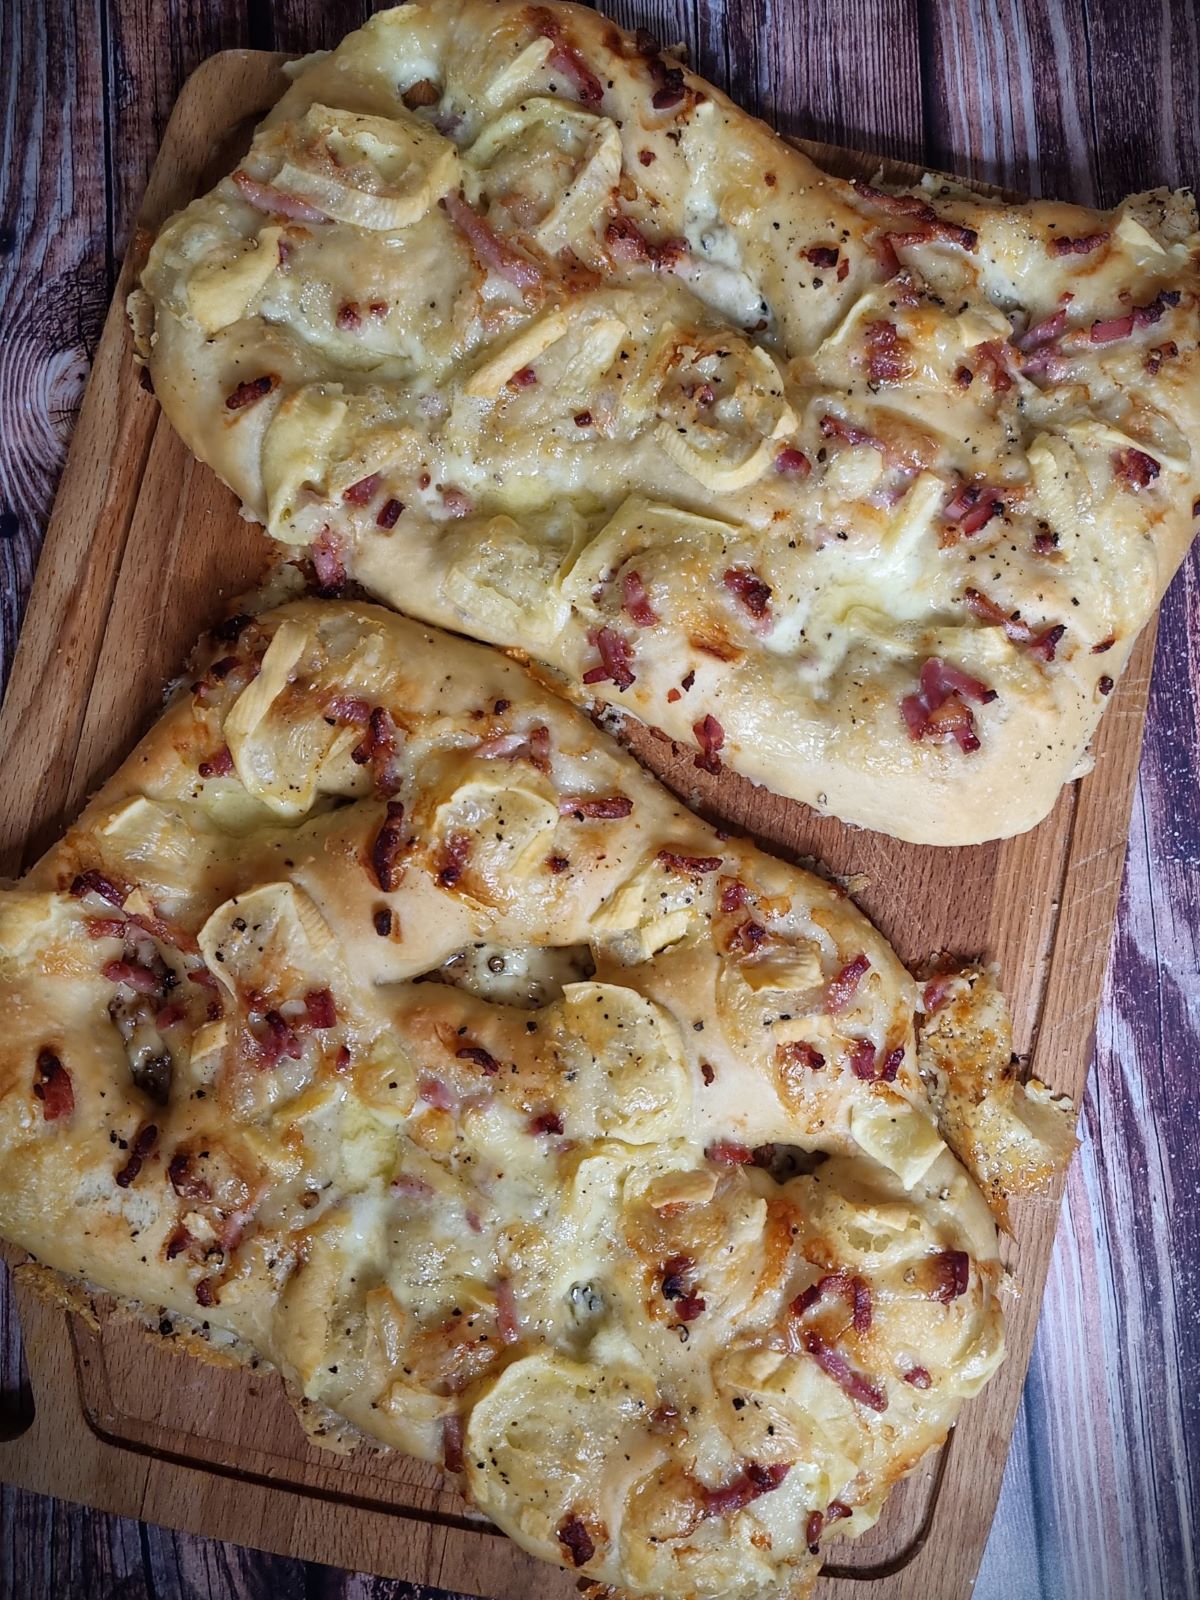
(602, 807)
(231, 629)
(483, 1059)
(385, 851)
(729, 1153)
(792, 463)
(142, 1144)
(179, 1241)
(488, 247)
(750, 1484)
(539, 748)
(887, 354)
(92, 882)
(694, 866)
(750, 591)
(636, 602)
(206, 1292)
(349, 317)
(382, 922)
(320, 1009)
(565, 58)
(389, 513)
(328, 565)
(844, 984)
(378, 748)
(972, 507)
(825, 256)
(1135, 468)
(53, 1087)
(710, 736)
(576, 1540)
(853, 1289)
(523, 378)
(994, 362)
(1159, 353)
(455, 855)
(1105, 684)
(218, 765)
(362, 492)
(1078, 247)
(834, 1365)
(900, 205)
(625, 240)
(453, 1438)
(615, 653)
(1045, 543)
(186, 1184)
(938, 712)
(674, 1274)
(796, 1053)
(583, 419)
(349, 708)
(863, 1058)
(278, 1039)
(250, 391)
(1017, 631)
(964, 377)
(918, 1377)
(952, 1274)
(707, 1072)
(734, 894)
(273, 202)
(746, 938)
(546, 1122)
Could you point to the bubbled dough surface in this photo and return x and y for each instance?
(863, 589)
(378, 1218)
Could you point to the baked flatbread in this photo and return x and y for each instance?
(382, 1014)
(532, 332)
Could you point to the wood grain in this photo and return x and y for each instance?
(1052, 95)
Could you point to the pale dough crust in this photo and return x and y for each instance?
(540, 338)
(381, 1013)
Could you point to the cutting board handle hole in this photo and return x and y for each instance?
(16, 1392)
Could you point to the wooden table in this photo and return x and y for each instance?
(1085, 99)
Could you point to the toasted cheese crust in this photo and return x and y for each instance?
(382, 1013)
(537, 336)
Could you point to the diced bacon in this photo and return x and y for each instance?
(92, 882)
(453, 1438)
(437, 1094)
(1135, 468)
(918, 1377)
(972, 507)
(750, 1484)
(729, 1153)
(381, 921)
(734, 894)
(187, 1184)
(695, 866)
(349, 708)
(636, 602)
(218, 765)
(797, 1053)
(884, 251)
(273, 202)
(951, 1275)
(454, 857)
(1078, 247)
(844, 984)
(364, 491)
(546, 1122)
(488, 247)
(751, 592)
(565, 57)
(825, 256)
(479, 1057)
(249, 391)
(507, 1320)
(1040, 334)
(710, 736)
(169, 1017)
(378, 750)
(936, 992)
(539, 748)
(818, 1521)
(349, 317)
(1017, 631)
(134, 976)
(457, 502)
(278, 1039)
(53, 1087)
(625, 240)
(792, 463)
(386, 849)
(938, 711)
(523, 378)
(853, 1289)
(330, 568)
(600, 807)
(849, 433)
(576, 1540)
(179, 1241)
(501, 746)
(835, 1366)
(140, 1147)
(389, 513)
(1111, 328)
(746, 938)
(616, 654)
(993, 361)
(887, 353)
(320, 1009)
(105, 928)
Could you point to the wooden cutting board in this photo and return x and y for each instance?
(143, 550)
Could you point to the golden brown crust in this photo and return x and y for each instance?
(381, 1014)
(600, 368)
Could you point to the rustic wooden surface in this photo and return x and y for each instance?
(1081, 100)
